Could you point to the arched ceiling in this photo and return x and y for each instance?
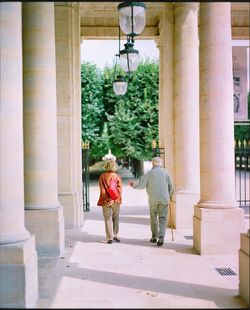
(99, 20)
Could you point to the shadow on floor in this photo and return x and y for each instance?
(223, 298)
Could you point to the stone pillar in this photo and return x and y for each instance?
(165, 43)
(68, 75)
(244, 264)
(44, 214)
(218, 221)
(17, 247)
(187, 164)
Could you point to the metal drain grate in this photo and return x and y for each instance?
(188, 237)
(226, 271)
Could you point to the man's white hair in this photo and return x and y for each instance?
(157, 161)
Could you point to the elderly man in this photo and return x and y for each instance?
(160, 190)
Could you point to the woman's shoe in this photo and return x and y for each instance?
(110, 241)
(116, 239)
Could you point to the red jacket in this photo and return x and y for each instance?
(105, 179)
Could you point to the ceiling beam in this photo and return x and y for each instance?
(112, 33)
(240, 33)
(107, 33)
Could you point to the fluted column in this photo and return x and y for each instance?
(217, 219)
(67, 16)
(165, 43)
(17, 246)
(186, 55)
(40, 128)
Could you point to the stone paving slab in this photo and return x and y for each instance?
(134, 273)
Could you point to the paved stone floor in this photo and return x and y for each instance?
(134, 273)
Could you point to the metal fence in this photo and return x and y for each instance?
(158, 151)
(242, 173)
(85, 175)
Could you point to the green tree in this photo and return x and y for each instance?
(134, 123)
(92, 107)
(125, 124)
(242, 132)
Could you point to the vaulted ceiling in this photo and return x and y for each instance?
(99, 20)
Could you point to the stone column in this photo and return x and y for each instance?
(165, 44)
(244, 264)
(17, 247)
(44, 214)
(68, 76)
(186, 101)
(218, 221)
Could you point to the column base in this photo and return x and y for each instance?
(72, 210)
(48, 227)
(217, 231)
(18, 274)
(184, 209)
(244, 267)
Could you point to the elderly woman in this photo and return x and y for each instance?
(110, 204)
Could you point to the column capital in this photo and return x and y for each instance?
(180, 7)
(166, 17)
(158, 42)
(73, 4)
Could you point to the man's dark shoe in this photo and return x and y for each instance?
(160, 241)
(116, 239)
(110, 242)
(154, 240)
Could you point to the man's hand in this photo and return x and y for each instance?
(172, 199)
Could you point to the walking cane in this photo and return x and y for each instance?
(171, 219)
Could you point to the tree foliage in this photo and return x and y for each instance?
(134, 122)
(92, 107)
(125, 124)
(242, 132)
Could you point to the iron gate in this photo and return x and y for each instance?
(242, 173)
(158, 151)
(85, 175)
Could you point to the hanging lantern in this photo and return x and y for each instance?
(132, 17)
(129, 58)
(120, 85)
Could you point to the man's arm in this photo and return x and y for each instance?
(141, 183)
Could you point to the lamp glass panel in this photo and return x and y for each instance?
(139, 19)
(120, 88)
(133, 59)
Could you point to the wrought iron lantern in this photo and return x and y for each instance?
(119, 84)
(129, 58)
(132, 17)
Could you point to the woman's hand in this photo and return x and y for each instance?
(109, 202)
